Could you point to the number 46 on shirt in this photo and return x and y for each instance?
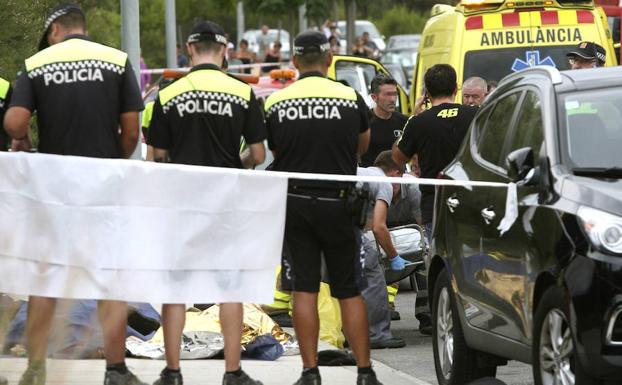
(448, 113)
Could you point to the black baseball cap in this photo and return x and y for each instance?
(589, 51)
(55, 13)
(310, 42)
(207, 31)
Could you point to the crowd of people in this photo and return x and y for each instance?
(324, 221)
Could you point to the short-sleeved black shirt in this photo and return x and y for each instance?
(384, 132)
(314, 126)
(201, 118)
(435, 135)
(79, 89)
(5, 97)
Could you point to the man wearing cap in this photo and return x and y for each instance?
(318, 125)
(587, 55)
(199, 120)
(76, 87)
(5, 95)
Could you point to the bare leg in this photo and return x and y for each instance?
(38, 325)
(173, 320)
(356, 327)
(113, 320)
(231, 315)
(307, 326)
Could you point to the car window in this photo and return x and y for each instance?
(490, 142)
(356, 75)
(529, 129)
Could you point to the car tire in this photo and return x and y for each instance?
(458, 365)
(558, 357)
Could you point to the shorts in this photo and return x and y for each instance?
(316, 229)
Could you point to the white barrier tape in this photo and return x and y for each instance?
(72, 226)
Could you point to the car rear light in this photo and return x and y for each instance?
(614, 328)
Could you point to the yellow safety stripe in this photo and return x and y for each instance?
(73, 50)
(312, 87)
(530, 19)
(392, 290)
(4, 88)
(147, 114)
(206, 80)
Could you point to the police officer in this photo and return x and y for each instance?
(318, 125)
(87, 102)
(5, 96)
(435, 136)
(199, 120)
(586, 54)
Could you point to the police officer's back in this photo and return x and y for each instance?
(318, 125)
(200, 118)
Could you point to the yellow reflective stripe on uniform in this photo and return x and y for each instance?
(147, 114)
(4, 88)
(312, 87)
(206, 80)
(74, 50)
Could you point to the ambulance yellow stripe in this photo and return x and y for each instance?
(493, 21)
(567, 17)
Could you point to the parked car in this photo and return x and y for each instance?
(360, 27)
(404, 41)
(549, 290)
(282, 35)
(406, 58)
(398, 73)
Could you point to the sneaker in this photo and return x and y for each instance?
(309, 379)
(169, 378)
(33, 376)
(244, 379)
(390, 343)
(367, 379)
(395, 315)
(113, 377)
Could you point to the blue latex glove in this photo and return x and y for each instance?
(398, 263)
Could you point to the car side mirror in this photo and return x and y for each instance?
(519, 163)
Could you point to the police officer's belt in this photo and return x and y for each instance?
(320, 193)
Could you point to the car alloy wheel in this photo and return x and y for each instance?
(445, 333)
(556, 350)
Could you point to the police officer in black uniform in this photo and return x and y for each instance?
(5, 97)
(318, 125)
(87, 102)
(435, 135)
(199, 120)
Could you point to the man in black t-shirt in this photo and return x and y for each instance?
(385, 122)
(199, 120)
(318, 125)
(87, 102)
(435, 136)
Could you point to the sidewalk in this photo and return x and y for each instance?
(284, 371)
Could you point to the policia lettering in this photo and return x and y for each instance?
(556, 35)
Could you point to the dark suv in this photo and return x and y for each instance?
(549, 290)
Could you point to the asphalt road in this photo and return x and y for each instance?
(417, 359)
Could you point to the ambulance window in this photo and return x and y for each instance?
(492, 138)
(529, 129)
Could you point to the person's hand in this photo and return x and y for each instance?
(398, 263)
(21, 144)
(420, 105)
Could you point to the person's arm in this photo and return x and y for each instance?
(160, 155)
(364, 131)
(398, 156)
(16, 121)
(380, 229)
(364, 139)
(129, 133)
(405, 147)
(21, 107)
(254, 155)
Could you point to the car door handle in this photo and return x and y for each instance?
(488, 214)
(452, 203)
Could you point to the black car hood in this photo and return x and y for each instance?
(602, 194)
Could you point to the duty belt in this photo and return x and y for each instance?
(319, 193)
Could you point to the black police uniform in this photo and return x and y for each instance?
(435, 135)
(5, 96)
(201, 117)
(314, 126)
(79, 89)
